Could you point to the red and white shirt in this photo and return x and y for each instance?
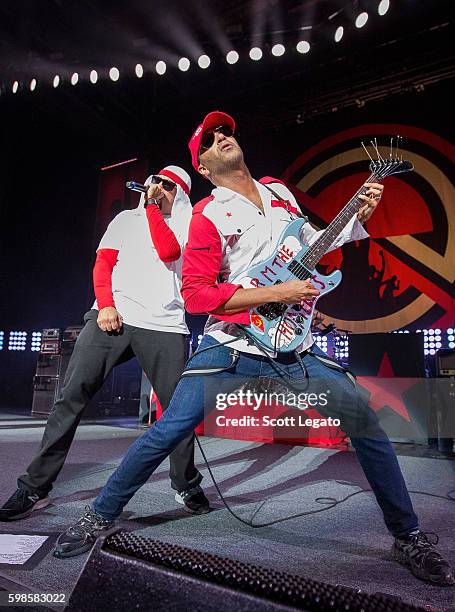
(228, 235)
(138, 270)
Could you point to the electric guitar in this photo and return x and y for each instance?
(282, 327)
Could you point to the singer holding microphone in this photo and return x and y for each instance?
(139, 312)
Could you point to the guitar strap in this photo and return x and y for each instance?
(280, 199)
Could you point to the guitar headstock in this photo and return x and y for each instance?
(392, 164)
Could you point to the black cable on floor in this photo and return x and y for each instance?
(319, 500)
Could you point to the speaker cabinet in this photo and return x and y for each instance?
(132, 572)
(44, 395)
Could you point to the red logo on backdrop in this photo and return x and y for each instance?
(403, 274)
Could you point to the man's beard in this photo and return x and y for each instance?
(227, 165)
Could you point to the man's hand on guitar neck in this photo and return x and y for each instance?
(371, 198)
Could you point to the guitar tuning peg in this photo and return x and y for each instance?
(366, 151)
(396, 148)
(375, 146)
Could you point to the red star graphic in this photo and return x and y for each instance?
(228, 214)
(387, 390)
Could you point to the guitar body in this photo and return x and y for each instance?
(277, 326)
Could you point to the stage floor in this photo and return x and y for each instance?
(347, 544)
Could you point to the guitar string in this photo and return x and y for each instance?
(299, 268)
(343, 217)
(384, 170)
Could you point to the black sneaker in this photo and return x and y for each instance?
(193, 500)
(81, 536)
(21, 504)
(418, 553)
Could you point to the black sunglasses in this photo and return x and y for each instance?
(167, 185)
(208, 138)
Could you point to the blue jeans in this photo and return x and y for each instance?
(196, 392)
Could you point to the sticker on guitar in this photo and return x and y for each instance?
(283, 333)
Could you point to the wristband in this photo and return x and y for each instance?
(149, 201)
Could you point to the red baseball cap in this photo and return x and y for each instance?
(212, 120)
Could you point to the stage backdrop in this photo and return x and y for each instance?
(403, 275)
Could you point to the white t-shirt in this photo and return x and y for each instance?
(146, 290)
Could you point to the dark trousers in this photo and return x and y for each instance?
(162, 356)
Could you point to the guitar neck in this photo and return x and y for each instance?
(319, 248)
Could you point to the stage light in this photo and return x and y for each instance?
(56, 81)
(451, 337)
(255, 54)
(431, 332)
(232, 57)
(361, 20)
(139, 71)
(437, 331)
(303, 46)
(450, 330)
(114, 74)
(2, 335)
(204, 62)
(184, 64)
(93, 77)
(339, 32)
(451, 344)
(383, 7)
(438, 345)
(17, 340)
(278, 50)
(160, 67)
(74, 78)
(33, 85)
(15, 86)
(36, 341)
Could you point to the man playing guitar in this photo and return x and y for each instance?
(234, 229)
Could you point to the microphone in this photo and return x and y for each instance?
(136, 186)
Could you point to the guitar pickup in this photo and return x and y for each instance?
(271, 310)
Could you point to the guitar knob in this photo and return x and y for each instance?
(299, 319)
(298, 331)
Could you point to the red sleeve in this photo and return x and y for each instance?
(102, 277)
(201, 266)
(163, 237)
